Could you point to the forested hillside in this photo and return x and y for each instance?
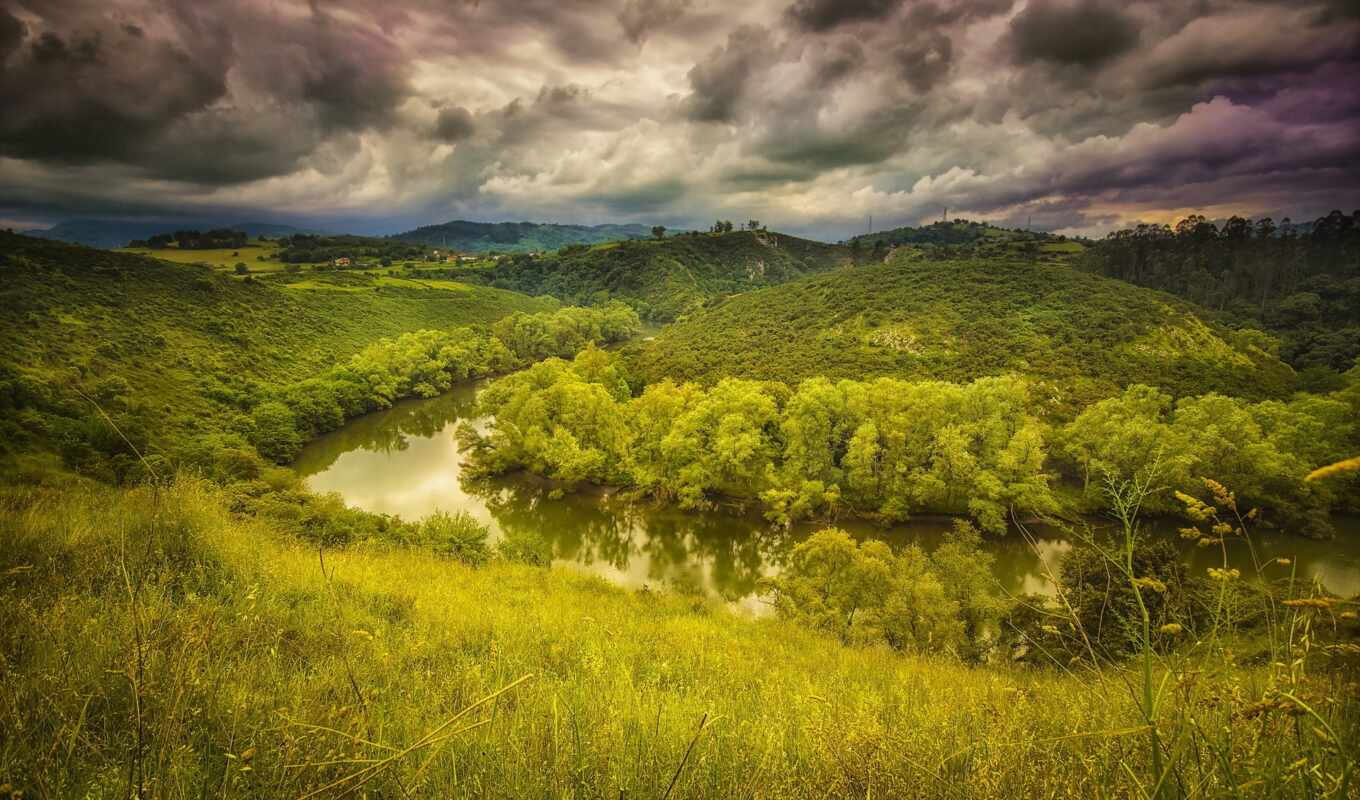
(664, 279)
(952, 232)
(1301, 281)
(919, 317)
(172, 350)
(517, 237)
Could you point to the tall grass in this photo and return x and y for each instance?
(153, 645)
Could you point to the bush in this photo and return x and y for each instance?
(457, 536)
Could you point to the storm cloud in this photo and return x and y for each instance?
(806, 114)
(1085, 32)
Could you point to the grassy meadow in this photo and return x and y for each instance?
(258, 256)
(151, 640)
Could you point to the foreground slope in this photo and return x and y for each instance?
(667, 278)
(918, 317)
(246, 666)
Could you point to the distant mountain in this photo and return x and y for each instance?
(111, 233)
(518, 237)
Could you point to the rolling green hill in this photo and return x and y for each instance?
(517, 237)
(667, 278)
(917, 317)
(954, 232)
(180, 343)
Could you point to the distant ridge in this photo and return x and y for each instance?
(518, 237)
(111, 233)
(956, 232)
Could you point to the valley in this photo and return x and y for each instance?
(938, 490)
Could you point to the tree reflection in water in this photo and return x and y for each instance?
(406, 461)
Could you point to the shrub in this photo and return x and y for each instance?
(458, 536)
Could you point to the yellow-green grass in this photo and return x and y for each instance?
(424, 283)
(224, 259)
(148, 637)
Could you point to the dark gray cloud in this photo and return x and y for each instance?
(98, 93)
(454, 124)
(823, 15)
(719, 82)
(1076, 32)
(925, 61)
(12, 33)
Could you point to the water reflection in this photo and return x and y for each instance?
(405, 461)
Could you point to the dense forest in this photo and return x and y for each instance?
(949, 232)
(304, 248)
(666, 278)
(215, 239)
(961, 318)
(1301, 281)
(892, 448)
(517, 237)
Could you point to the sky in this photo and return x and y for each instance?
(1078, 116)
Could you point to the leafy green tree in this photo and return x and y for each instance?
(725, 442)
(831, 580)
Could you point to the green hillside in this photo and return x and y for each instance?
(517, 237)
(954, 232)
(957, 320)
(181, 342)
(668, 278)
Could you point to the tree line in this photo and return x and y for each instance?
(1300, 280)
(425, 364)
(216, 239)
(890, 448)
(303, 248)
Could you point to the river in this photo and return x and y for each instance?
(405, 461)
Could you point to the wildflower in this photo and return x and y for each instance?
(1205, 541)
(1221, 494)
(1347, 615)
(1224, 575)
(1284, 562)
(1150, 583)
(1170, 628)
(1050, 629)
(1223, 529)
(1194, 509)
(1188, 533)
